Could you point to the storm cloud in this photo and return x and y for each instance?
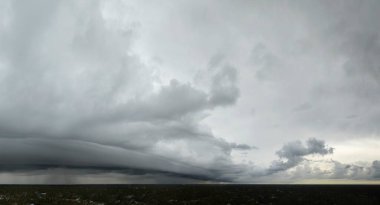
(139, 91)
(73, 96)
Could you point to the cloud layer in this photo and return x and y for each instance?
(185, 92)
(75, 96)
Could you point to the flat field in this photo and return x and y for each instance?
(189, 194)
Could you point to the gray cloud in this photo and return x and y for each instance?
(303, 107)
(350, 171)
(348, 74)
(134, 89)
(223, 89)
(74, 97)
(376, 168)
(293, 153)
(333, 170)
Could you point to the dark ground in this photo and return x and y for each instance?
(189, 194)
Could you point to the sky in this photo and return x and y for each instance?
(201, 91)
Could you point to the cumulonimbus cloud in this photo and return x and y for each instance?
(74, 96)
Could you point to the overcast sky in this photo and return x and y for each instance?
(189, 91)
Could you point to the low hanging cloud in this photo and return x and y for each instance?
(294, 166)
(74, 96)
(293, 153)
(331, 170)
